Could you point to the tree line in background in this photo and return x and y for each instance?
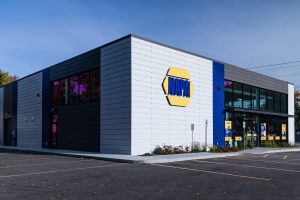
(6, 78)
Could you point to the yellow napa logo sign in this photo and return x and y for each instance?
(178, 87)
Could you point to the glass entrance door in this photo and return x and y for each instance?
(251, 129)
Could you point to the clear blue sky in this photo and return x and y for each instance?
(35, 34)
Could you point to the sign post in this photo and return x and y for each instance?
(206, 124)
(192, 129)
(244, 130)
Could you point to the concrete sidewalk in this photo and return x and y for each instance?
(148, 159)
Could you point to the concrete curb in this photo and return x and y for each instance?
(283, 150)
(108, 158)
(187, 158)
(144, 159)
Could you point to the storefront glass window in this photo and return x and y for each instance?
(270, 101)
(55, 93)
(255, 98)
(262, 99)
(84, 87)
(284, 129)
(246, 97)
(95, 84)
(283, 103)
(63, 92)
(73, 89)
(237, 95)
(276, 128)
(276, 102)
(237, 125)
(228, 93)
(251, 129)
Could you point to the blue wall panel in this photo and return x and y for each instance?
(218, 103)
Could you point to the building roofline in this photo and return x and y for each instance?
(198, 55)
(151, 41)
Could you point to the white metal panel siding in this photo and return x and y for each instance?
(154, 121)
(291, 111)
(115, 120)
(29, 117)
(1, 116)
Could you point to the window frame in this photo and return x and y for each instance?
(67, 95)
(252, 88)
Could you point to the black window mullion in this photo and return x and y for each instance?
(242, 95)
(267, 105)
(251, 98)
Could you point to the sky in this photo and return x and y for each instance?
(36, 34)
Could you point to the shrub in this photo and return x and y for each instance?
(269, 144)
(250, 145)
(198, 148)
(276, 144)
(217, 149)
(285, 144)
(168, 149)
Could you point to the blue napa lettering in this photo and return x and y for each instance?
(178, 87)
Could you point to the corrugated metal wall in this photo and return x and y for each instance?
(154, 121)
(115, 106)
(255, 79)
(83, 62)
(29, 118)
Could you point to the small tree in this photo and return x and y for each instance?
(6, 78)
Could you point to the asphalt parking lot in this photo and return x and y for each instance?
(36, 176)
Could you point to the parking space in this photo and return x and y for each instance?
(37, 176)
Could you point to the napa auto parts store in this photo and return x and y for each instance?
(132, 94)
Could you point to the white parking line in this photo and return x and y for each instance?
(266, 161)
(58, 171)
(213, 172)
(47, 163)
(266, 155)
(35, 159)
(284, 157)
(270, 156)
(9, 156)
(249, 166)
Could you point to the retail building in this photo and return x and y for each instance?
(133, 94)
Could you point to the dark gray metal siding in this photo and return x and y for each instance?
(252, 78)
(78, 127)
(83, 62)
(29, 118)
(116, 98)
(79, 124)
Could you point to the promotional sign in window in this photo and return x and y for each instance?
(263, 131)
(228, 131)
(238, 138)
(270, 138)
(277, 137)
(283, 131)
